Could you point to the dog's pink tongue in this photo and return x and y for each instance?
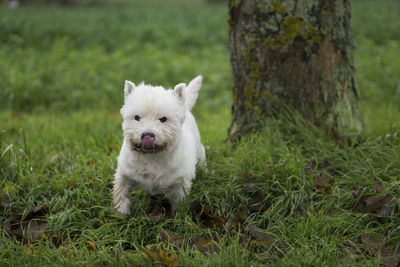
(148, 142)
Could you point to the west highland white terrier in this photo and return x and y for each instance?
(161, 144)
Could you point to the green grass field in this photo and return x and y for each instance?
(287, 196)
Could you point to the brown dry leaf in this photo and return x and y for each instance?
(113, 147)
(378, 186)
(326, 163)
(257, 234)
(302, 207)
(372, 243)
(203, 244)
(243, 239)
(349, 256)
(323, 182)
(34, 230)
(206, 246)
(97, 224)
(91, 245)
(202, 213)
(256, 196)
(246, 175)
(175, 240)
(71, 183)
(160, 255)
(379, 205)
(310, 166)
(31, 250)
(356, 191)
(31, 227)
(28, 231)
(237, 220)
(92, 163)
(157, 215)
(9, 189)
(389, 255)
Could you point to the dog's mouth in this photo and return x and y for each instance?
(146, 146)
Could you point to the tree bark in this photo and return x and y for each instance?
(296, 53)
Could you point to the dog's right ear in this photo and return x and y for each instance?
(129, 87)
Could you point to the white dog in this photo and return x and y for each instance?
(161, 142)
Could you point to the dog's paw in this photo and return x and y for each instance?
(123, 207)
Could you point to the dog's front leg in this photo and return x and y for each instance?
(177, 195)
(121, 191)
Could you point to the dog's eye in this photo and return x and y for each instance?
(163, 119)
(137, 117)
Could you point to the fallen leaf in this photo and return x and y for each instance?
(246, 175)
(202, 244)
(325, 163)
(175, 240)
(112, 146)
(202, 213)
(92, 163)
(356, 191)
(379, 205)
(162, 209)
(157, 215)
(34, 230)
(206, 246)
(243, 239)
(302, 207)
(349, 256)
(238, 218)
(92, 246)
(160, 255)
(257, 234)
(256, 196)
(310, 166)
(323, 182)
(9, 189)
(71, 183)
(97, 225)
(31, 250)
(389, 254)
(378, 186)
(372, 243)
(30, 227)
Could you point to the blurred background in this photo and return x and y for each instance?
(67, 55)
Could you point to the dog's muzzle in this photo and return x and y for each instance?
(147, 145)
(148, 141)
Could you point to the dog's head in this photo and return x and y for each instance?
(153, 116)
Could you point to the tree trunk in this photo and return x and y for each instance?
(296, 53)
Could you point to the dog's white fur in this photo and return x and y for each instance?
(170, 167)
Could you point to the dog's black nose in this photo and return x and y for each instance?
(149, 134)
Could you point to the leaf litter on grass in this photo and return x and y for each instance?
(252, 240)
(30, 227)
(376, 245)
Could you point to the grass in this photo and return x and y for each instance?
(61, 78)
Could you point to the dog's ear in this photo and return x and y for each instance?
(179, 91)
(129, 87)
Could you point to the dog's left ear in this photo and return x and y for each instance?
(179, 91)
(129, 87)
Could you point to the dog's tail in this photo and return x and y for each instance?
(192, 92)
